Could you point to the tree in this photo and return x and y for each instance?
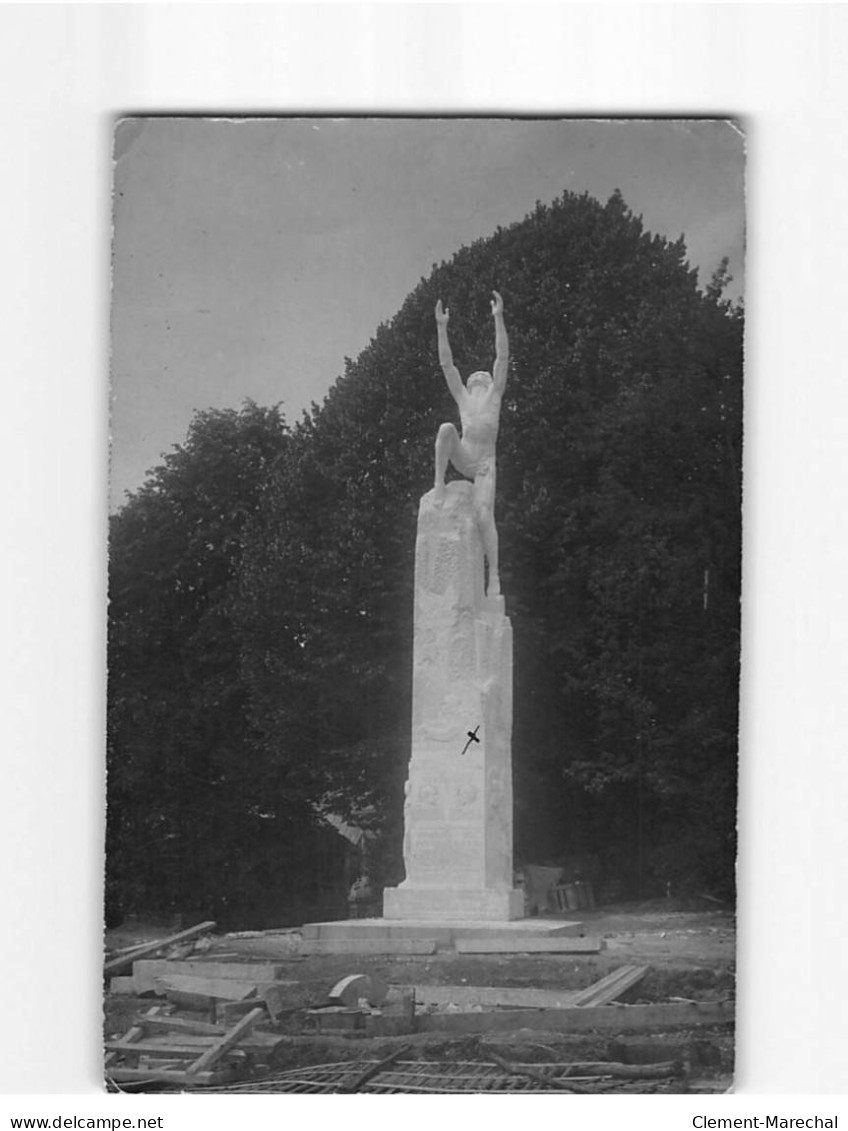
(193, 817)
(618, 510)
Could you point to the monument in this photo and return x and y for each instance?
(457, 844)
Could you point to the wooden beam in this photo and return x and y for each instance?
(611, 987)
(206, 1030)
(369, 1073)
(136, 1032)
(603, 1018)
(124, 951)
(215, 989)
(601, 992)
(232, 1038)
(146, 969)
(167, 1050)
(169, 1076)
(113, 965)
(515, 996)
(124, 984)
(180, 1025)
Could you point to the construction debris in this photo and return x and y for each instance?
(612, 987)
(244, 1009)
(146, 971)
(193, 992)
(602, 992)
(392, 1076)
(494, 996)
(120, 960)
(189, 1054)
(604, 1018)
(356, 987)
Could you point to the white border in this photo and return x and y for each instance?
(65, 70)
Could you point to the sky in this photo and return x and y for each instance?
(250, 257)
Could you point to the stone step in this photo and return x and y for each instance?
(445, 933)
(341, 944)
(504, 944)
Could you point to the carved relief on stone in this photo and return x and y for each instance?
(444, 567)
(429, 799)
(466, 795)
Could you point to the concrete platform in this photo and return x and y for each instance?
(445, 933)
(409, 904)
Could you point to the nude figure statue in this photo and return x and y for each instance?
(473, 453)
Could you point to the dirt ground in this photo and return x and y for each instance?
(690, 951)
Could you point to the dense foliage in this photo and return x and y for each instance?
(197, 820)
(262, 579)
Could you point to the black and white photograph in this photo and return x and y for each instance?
(424, 604)
(424, 613)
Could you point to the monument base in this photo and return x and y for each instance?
(347, 932)
(436, 904)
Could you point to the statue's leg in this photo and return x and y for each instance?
(489, 534)
(484, 499)
(447, 444)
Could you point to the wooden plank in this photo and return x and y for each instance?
(495, 995)
(169, 1076)
(556, 944)
(600, 993)
(369, 1073)
(114, 965)
(603, 1018)
(216, 989)
(127, 951)
(167, 1050)
(228, 1012)
(180, 1025)
(189, 1045)
(612, 986)
(368, 946)
(146, 969)
(122, 984)
(136, 1032)
(232, 1038)
(206, 1030)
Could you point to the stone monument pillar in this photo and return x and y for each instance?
(458, 811)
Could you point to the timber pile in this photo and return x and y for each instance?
(464, 1009)
(191, 1054)
(210, 986)
(608, 989)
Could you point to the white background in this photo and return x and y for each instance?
(65, 71)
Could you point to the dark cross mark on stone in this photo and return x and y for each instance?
(472, 737)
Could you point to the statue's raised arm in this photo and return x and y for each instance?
(452, 375)
(501, 367)
(473, 453)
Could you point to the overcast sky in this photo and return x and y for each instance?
(251, 257)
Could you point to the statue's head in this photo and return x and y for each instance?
(481, 378)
